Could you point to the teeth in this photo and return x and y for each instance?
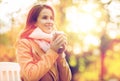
(49, 25)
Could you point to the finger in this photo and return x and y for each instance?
(59, 39)
(62, 44)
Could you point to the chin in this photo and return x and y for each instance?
(48, 32)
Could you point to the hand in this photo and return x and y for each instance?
(62, 49)
(59, 43)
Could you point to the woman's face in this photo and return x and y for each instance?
(45, 20)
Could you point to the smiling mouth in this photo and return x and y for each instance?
(49, 27)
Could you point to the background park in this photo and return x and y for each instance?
(92, 28)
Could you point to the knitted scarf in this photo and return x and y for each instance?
(41, 38)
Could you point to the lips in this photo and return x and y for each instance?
(49, 25)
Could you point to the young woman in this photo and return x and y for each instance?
(39, 51)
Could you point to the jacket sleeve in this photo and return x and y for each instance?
(33, 70)
(64, 70)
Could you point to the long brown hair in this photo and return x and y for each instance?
(32, 18)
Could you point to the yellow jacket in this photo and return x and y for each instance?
(36, 65)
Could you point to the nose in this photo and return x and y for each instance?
(50, 21)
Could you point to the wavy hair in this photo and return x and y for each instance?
(32, 19)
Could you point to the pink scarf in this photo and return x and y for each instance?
(41, 38)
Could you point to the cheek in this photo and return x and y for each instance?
(42, 21)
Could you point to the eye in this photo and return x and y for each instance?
(52, 18)
(44, 17)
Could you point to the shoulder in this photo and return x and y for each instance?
(23, 42)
